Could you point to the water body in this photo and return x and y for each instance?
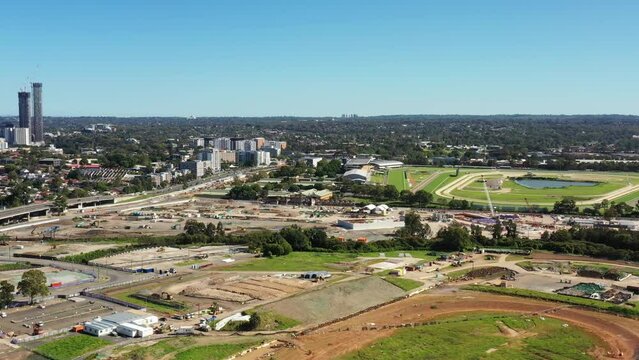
(552, 184)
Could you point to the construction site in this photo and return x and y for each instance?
(55, 277)
(163, 257)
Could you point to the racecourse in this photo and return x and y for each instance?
(468, 185)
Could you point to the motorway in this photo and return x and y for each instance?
(153, 196)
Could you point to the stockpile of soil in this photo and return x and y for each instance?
(490, 273)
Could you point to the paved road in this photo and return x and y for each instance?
(109, 277)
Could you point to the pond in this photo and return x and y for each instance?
(552, 184)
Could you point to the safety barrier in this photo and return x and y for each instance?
(113, 300)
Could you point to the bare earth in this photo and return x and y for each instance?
(621, 335)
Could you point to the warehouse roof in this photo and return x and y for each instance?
(358, 162)
(123, 317)
(386, 163)
(100, 325)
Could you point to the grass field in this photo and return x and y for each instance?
(606, 267)
(499, 337)
(155, 351)
(402, 283)
(212, 352)
(190, 262)
(70, 347)
(297, 261)
(270, 321)
(397, 177)
(126, 296)
(14, 266)
(339, 299)
(594, 304)
(511, 193)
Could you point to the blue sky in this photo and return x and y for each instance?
(302, 57)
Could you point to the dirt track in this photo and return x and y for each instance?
(621, 335)
(564, 257)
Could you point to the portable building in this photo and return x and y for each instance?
(99, 327)
(133, 330)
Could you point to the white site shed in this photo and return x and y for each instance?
(133, 330)
(130, 323)
(147, 320)
(99, 327)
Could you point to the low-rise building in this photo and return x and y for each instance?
(357, 163)
(130, 323)
(312, 160)
(99, 327)
(386, 164)
(357, 175)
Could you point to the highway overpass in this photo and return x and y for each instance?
(24, 213)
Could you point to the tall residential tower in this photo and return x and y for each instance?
(36, 124)
(24, 111)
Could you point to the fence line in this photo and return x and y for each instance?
(113, 300)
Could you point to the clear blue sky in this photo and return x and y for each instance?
(328, 57)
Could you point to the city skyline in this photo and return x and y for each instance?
(323, 59)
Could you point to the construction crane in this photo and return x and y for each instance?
(490, 202)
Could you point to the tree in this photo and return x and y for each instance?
(317, 237)
(476, 233)
(413, 227)
(423, 198)
(6, 293)
(497, 229)
(511, 229)
(254, 322)
(60, 204)
(210, 230)
(406, 196)
(295, 236)
(390, 192)
(244, 192)
(194, 227)
(33, 283)
(219, 230)
(453, 238)
(565, 206)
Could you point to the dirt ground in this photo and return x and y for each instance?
(621, 335)
(240, 289)
(158, 218)
(58, 250)
(165, 257)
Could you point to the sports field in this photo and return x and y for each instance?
(398, 178)
(468, 185)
